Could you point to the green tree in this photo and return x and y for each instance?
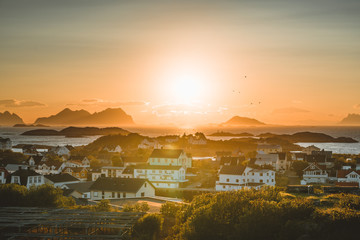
(299, 166)
(148, 227)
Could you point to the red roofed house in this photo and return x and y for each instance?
(348, 176)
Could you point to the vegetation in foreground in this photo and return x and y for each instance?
(264, 214)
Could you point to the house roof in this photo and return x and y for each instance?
(133, 159)
(231, 160)
(119, 184)
(166, 153)
(343, 173)
(81, 187)
(37, 159)
(65, 177)
(232, 170)
(315, 158)
(23, 174)
(155, 167)
(76, 158)
(50, 163)
(321, 167)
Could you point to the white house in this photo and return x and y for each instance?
(110, 171)
(50, 167)
(35, 160)
(116, 149)
(78, 161)
(121, 188)
(282, 163)
(270, 159)
(81, 187)
(5, 144)
(314, 173)
(161, 176)
(308, 150)
(170, 157)
(269, 148)
(239, 177)
(149, 144)
(26, 177)
(3, 175)
(198, 139)
(348, 176)
(60, 150)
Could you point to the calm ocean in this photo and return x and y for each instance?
(336, 131)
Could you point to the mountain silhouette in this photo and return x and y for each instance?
(110, 116)
(240, 121)
(10, 119)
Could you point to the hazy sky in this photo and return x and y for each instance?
(183, 62)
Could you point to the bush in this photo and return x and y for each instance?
(138, 207)
(41, 196)
(148, 227)
(103, 206)
(170, 209)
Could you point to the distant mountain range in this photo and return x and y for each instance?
(351, 119)
(9, 119)
(242, 121)
(110, 116)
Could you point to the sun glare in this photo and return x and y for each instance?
(187, 83)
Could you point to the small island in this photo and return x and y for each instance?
(229, 134)
(308, 137)
(77, 132)
(30, 125)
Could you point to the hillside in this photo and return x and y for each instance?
(76, 132)
(351, 119)
(110, 116)
(242, 121)
(9, 119)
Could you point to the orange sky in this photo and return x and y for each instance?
(182, 62)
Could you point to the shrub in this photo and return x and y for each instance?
(148, 227)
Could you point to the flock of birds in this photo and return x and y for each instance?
(239, 93)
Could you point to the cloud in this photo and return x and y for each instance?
(106, 103)
(290, 110)
(13, 103)
(357, 106)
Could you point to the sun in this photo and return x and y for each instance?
(188, 86)
(187, 83)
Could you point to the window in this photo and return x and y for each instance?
(261, 180)
(124, 195)
(237, 180)
(113, 194)
(261, 174)
(142, 194)
(272, 180)
(118, 195)
(30, 180)
(145, 184)
(35, 180)
(227, 180)
(224, 187)
(96, 194)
